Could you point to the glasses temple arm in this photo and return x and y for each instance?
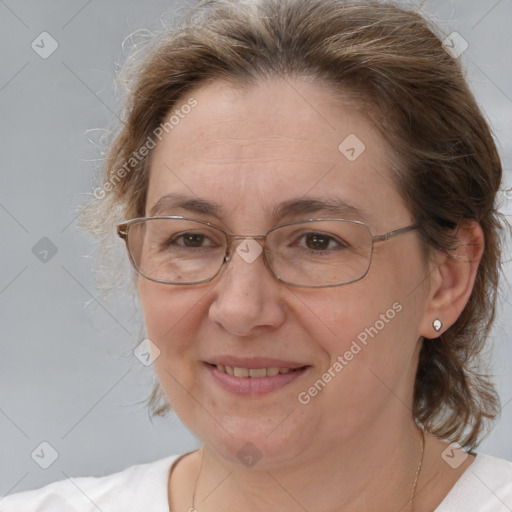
(395, 232)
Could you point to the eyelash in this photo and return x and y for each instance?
(341, 244)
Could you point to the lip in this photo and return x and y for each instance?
(254, 386)
(254, 362)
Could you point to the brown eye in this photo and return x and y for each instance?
(192, 239)
(317, 241)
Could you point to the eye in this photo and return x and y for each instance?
(318, 242)
(190, 240)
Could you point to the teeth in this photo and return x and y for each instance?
(240, 372)
(252, 372)
(272, 371)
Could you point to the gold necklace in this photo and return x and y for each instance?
(422, 442)
(419, 466)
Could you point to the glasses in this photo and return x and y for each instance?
(311, 253)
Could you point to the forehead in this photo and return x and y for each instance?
(250, 149)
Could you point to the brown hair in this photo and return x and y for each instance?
(389, 60)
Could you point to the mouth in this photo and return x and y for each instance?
(237, 371)
(254, 377)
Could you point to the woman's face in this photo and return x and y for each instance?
(249, 151)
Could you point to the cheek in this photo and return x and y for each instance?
(372, 333)
(370, 366)
(345, 314)
(168, 309)
(172, 317)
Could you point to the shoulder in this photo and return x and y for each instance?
(486, 485)
(133, 489)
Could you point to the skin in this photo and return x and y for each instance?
(250, 149)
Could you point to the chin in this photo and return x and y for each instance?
(254, 443)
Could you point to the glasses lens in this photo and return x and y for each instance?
(320, 253)
(176, 250)
(314, 253)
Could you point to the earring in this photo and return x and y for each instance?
(437, 324)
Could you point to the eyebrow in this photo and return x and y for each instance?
(292, 207)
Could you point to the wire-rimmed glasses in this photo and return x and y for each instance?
(312, 253)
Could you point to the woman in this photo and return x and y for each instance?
(306, 190)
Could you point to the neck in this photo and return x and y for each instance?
(377, 467)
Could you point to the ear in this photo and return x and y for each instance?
(452, 279)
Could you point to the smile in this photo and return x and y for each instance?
(252, 372)
(242, 380)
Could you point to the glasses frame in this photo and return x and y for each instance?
(124, 227)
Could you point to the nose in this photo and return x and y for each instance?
(248, 299)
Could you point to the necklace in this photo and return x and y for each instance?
(193, 509)
(418, 470)
(419, 466)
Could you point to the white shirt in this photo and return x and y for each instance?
(485, 486)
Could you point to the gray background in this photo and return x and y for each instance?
(67, 372)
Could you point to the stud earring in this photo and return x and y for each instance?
(437, 324)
